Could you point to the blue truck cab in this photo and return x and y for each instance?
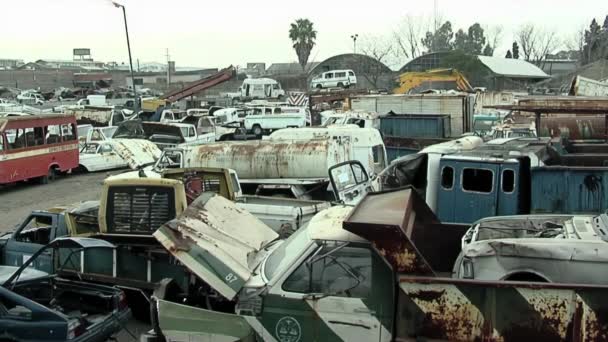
(491, 180)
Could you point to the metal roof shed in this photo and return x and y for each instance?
(513, 68)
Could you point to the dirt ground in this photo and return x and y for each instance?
(17, 201)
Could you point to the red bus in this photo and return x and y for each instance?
(37, 146)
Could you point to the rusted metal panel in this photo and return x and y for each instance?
(461, 310)
(388, 220)
(569, 105)
(569, 190)
(198, 86)
(265, 159)
(582, 86)
(574, 128)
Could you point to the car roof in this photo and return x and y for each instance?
(327, 225)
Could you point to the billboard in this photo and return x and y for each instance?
(82, 52)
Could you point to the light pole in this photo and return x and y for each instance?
(354, 38)
(124, 13)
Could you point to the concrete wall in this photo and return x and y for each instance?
(45, 79)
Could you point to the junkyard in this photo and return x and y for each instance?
(432, 174)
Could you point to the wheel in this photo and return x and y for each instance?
(257, 130)
(50, 176)
(319, 86)
(340, 85)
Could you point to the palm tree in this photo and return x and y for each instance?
(303, 36)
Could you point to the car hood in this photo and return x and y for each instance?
(136, 152)
(27, 274)
(217, 241)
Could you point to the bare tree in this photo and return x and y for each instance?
(380, 49)
(536, 43)
(576, 42)
(493, 35)
(526, 37)
(408, 36)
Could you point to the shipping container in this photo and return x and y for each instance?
(574, 190)
(460, 107)
(416, 126)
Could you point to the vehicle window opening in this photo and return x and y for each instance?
(37, 230)
(19, 139)
(477, 180)
(378, 155)
(2, 137)
(9, 308)
(53, 134)
(508, 181)
(447, 178)
(343, 271)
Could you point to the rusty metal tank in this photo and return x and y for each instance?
(266, 159)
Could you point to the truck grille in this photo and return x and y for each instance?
(139, 210)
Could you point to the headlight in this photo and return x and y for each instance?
(467, 269)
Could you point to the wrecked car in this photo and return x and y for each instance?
(163, 135)
(372, 273)
(544, 248)
(117, 153)
(37, 306)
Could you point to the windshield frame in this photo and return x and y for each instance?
(301, 242)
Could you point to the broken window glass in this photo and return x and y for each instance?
(478, 180)
(345, 272)
(447, 178)
(37, 230)
(508, 181)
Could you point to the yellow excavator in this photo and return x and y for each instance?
(440, 79)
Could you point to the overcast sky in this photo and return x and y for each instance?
(219, 33)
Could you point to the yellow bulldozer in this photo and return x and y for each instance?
(440, 79)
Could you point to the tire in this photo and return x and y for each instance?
(340, 85)
(257, 130)
(319, 86)
(50, 176)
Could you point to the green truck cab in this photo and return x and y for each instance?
(380, 271)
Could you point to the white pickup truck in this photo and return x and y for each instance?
(191, 136)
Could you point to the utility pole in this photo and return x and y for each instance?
(168, 68)
(124, 13)
(435, 14)
(354, 38)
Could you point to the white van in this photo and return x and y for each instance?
(334, 79)
(261, 88)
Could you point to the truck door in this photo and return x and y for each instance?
(468, 191)
(332, 296)
(349, 181)
(36, 232)
(509, 191)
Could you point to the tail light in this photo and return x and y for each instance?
(75, 329)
